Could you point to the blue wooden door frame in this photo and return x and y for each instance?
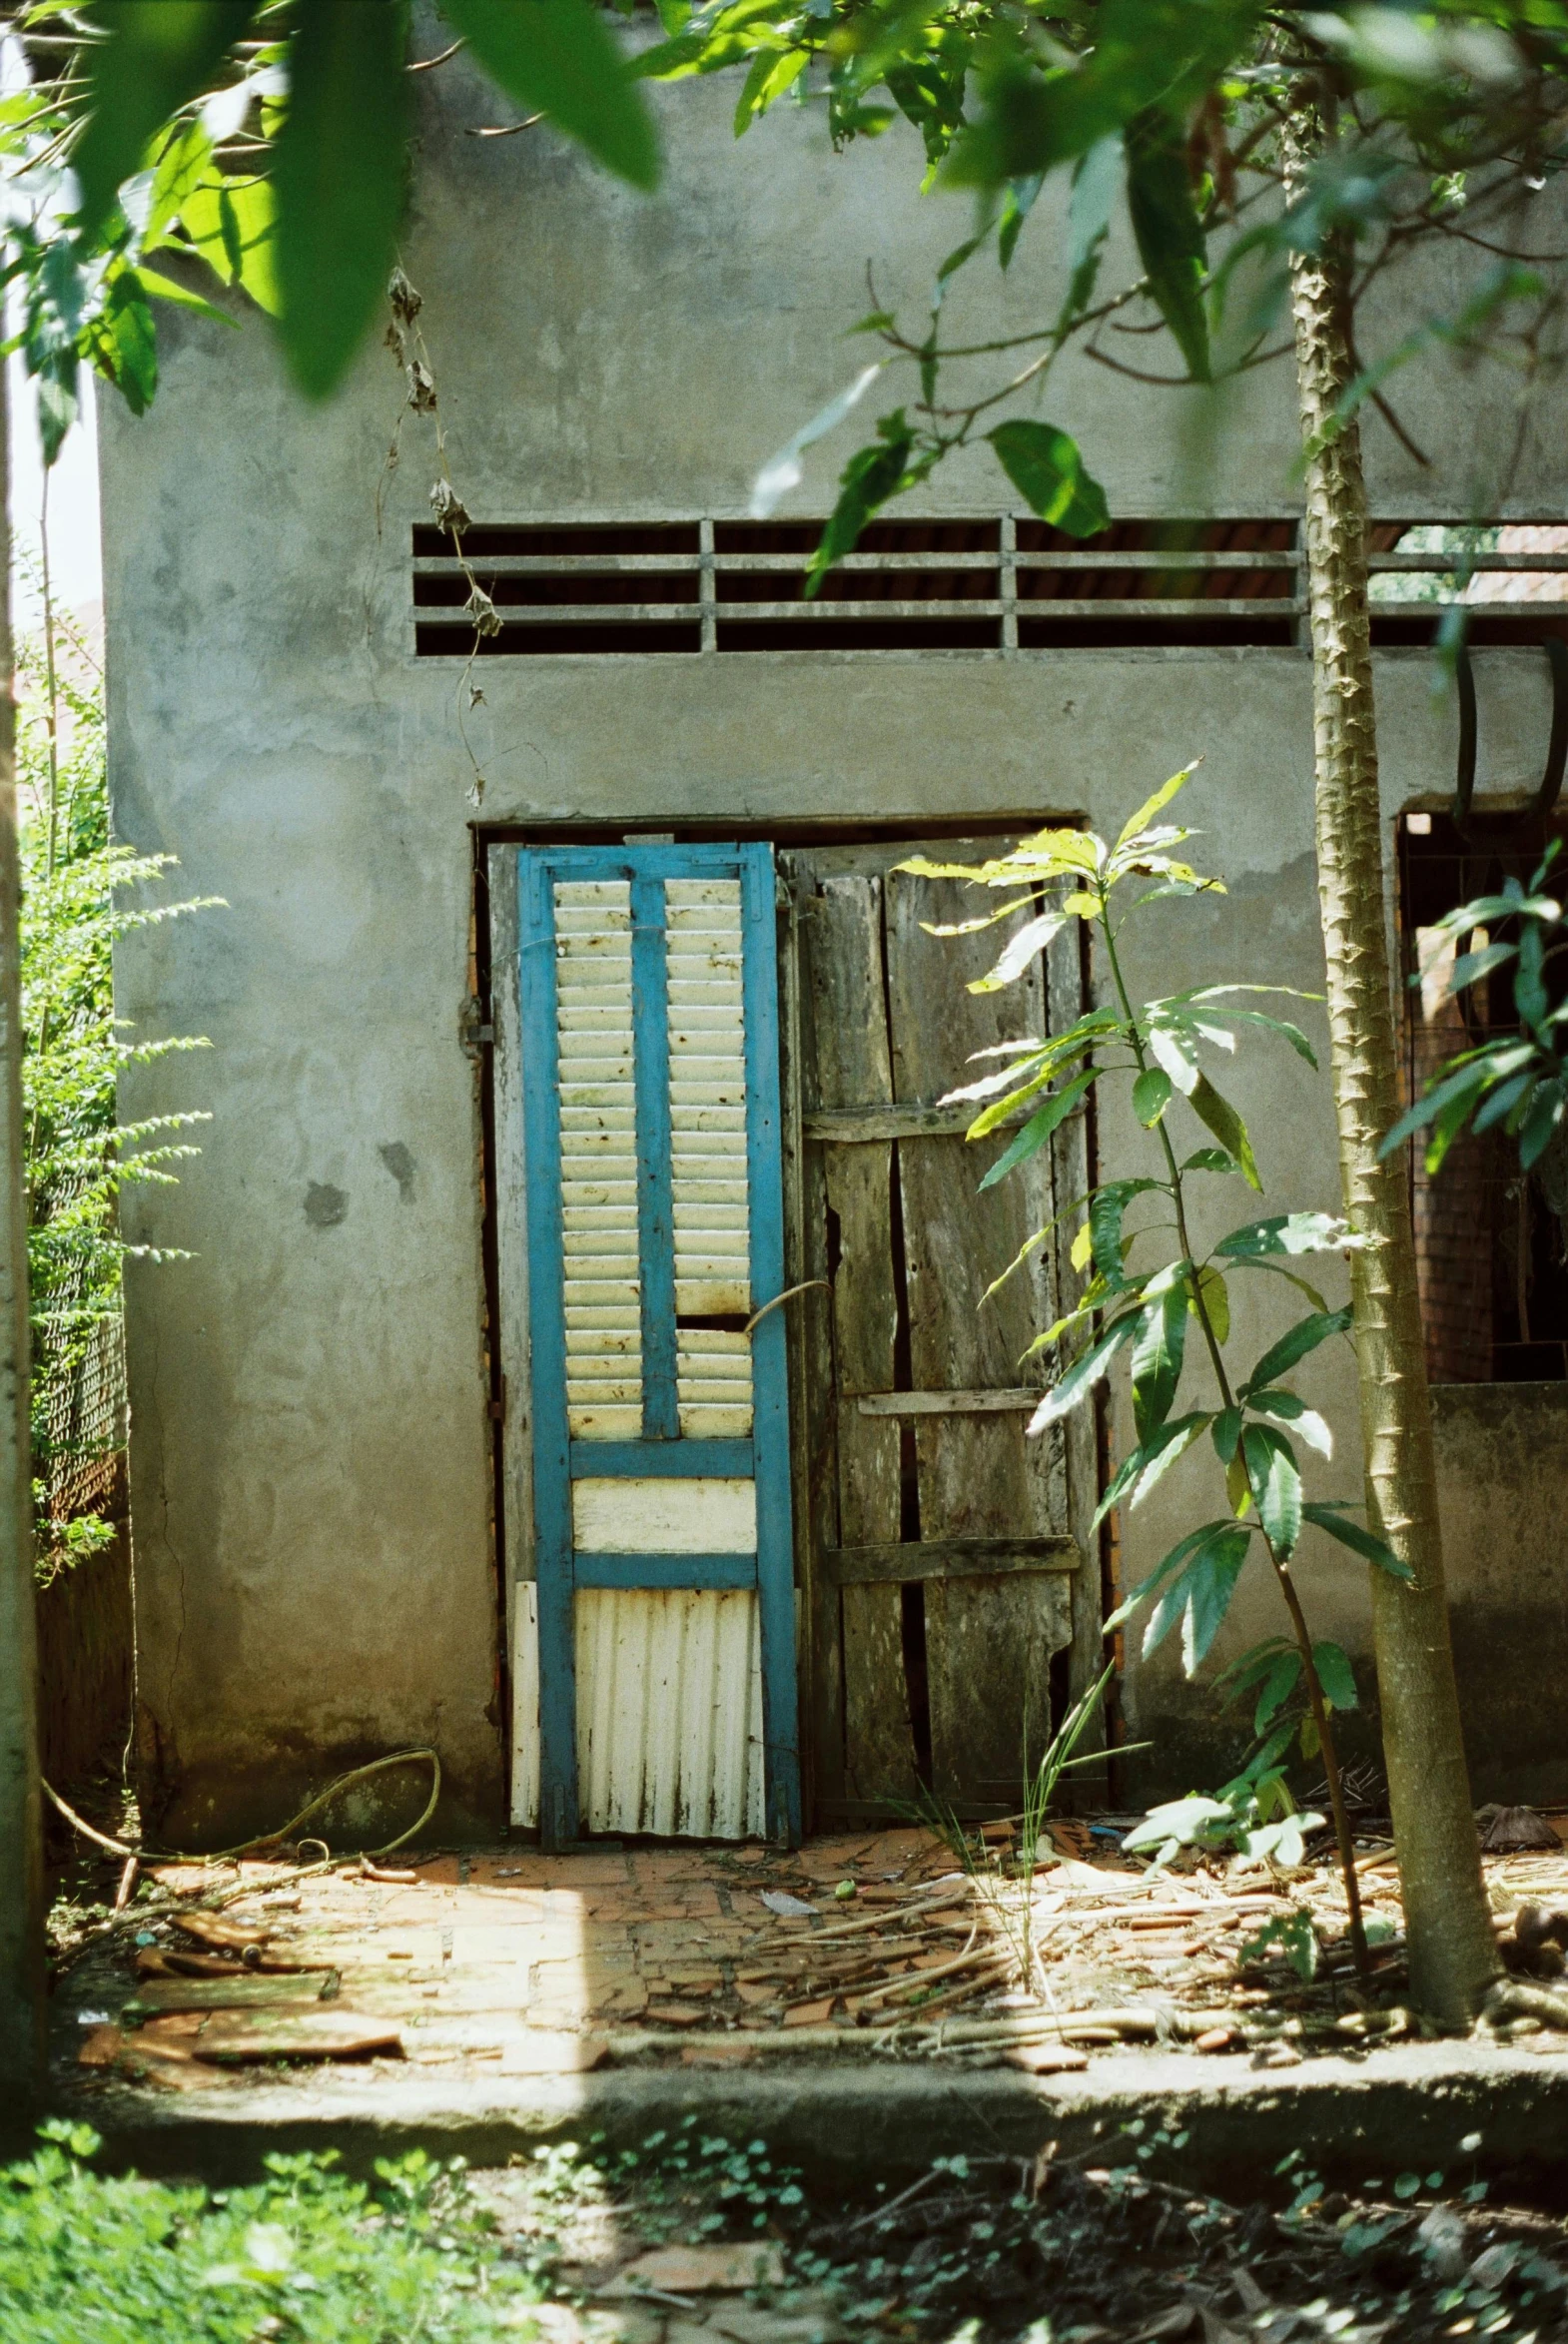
(560, 1569)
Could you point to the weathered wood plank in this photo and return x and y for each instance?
(856, 1126)
(1011, 1401)
(950, 1558)
(808, 1324)
(988, 1640)
(853, 1068)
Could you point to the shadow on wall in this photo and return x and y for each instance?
(1502, 1476)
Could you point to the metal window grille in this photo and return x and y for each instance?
(991, 583)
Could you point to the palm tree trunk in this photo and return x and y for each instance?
(21, 1843)
(1453, 1956)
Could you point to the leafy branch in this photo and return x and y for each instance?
(1139, 1299)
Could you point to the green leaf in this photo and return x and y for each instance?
(1226, 1434)
(165, 289)
(1213, 1159)
(341, 174)
(185, 161)
(1169, 232)
(1137, 823)
(559, 57)
(1038, 1129)
(1201, 1596)
(1226, 1126)
(1277, 1687)
(1024, 945)
(772, 72)
(1151, 1096)
(1170, 1444)
(157, 55)
(1328, 1516)
(1336, 1676)
(1292, 1933)
(125, 341)
(1307, 1424)
(1304, 1336)
(1216, 1302)
(1157, 1361)
(1082, 1378)
(1275, 1482)
(1105, 1208)
(1046, 468)
(870, 478)
(1016, 205)
(1288, 1232)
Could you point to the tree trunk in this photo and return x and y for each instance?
(21, 1843)
(1453, 1956)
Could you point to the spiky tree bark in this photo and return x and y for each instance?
(21, 1852)
(1453, 1956)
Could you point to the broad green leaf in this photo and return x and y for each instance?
(1226, 1126)
(1180, 1554)
(1213, 1159)
(1328, 1516)
(1174, 1050)
(341, 173)
(772, 73)
(1546, 1112)
(1170, 1445)
(1016, 205)
(1046, 467)
(1226, 1434)
(870, 478)
(1239, 1489)
(1151, 1096)
(1336, 1676)
(183, 163)
(1137, 823)
(1211, 1584)
(1083, 1247)
(1156, 1361)
(1106, 1208)
(1081, 1378)
(1168, 231)
(165, 289)
(1288, 1232)
(1277, 1486)
(125, 341)
(1038, 1129)
(1283, 1675)
(1304, 1336)
(1022, 949)
(1305, 1422)
(1216, 1302)
(155, 56)
(559, 57)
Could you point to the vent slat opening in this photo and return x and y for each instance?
(983, 583)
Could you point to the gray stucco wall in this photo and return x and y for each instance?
(310, 1449)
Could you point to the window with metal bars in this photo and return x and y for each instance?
(990, 583)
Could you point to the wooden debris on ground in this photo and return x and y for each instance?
(550, 1964)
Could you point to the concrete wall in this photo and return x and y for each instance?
(311, 1451)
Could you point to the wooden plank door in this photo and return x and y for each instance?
(953, 1590)
(654, 1625)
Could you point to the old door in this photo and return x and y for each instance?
(654, 1622)
(953, 1588)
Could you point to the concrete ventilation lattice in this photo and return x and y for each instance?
(991, 583)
